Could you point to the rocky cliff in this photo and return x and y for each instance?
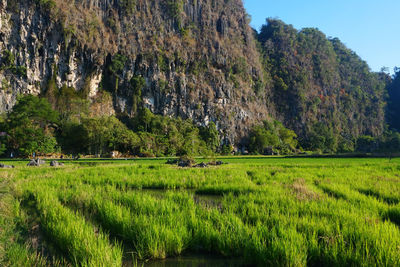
(195, 59)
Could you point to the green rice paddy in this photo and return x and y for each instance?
(257, 211)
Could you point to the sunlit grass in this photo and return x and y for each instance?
(267, 211)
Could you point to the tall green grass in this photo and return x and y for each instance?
(73, 235)
(284, 212)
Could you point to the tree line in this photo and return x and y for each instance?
(34, 127)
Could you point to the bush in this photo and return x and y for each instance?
(321, 138)
(128, 6)
(47, 4)
(8, 63)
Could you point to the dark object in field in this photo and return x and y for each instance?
(172, 161)
(36, 162)
(201, 165)
(216, 163)
(185, 163)
(3, 166)
(55, 163)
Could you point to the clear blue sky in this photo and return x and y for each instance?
(369, 27)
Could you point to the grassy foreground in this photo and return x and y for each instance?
(266, 211)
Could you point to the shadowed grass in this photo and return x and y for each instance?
(392, 200)
(393, 214)
(73, 235)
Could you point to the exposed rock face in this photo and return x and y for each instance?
(197, 57)
(39, 44)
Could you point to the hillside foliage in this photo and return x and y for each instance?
(322, 90)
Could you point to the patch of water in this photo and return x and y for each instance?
(192, 261)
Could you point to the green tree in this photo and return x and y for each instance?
(3, 138)
(112, 75)
(345, 144)
(394, 143)
(390, 142)
(160, 135)
(287, 138)
(211, 136)
(366, 143)
(72, 138)
(97, 135)
(321, 138)
(144, 119)
(394, 102)
(137, 83)
(261, 139)
(175, 9)
(192, 144)
(71, 105)
(121, 138)
(30, 126)
(104, 134)
(3, 148)
(272, 136)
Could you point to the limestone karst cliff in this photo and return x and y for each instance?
(198, 59)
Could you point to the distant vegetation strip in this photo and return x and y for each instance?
(34, 128)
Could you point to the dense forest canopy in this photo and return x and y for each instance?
(321, 88)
